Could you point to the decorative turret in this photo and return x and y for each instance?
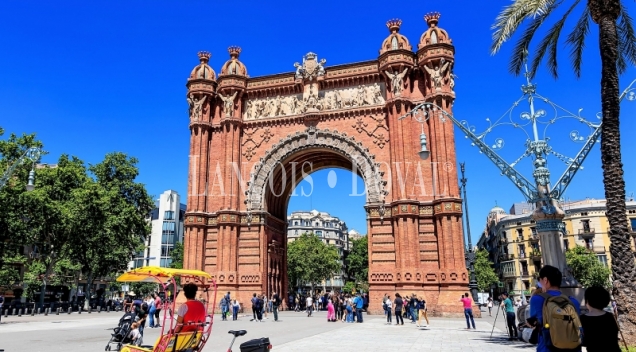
(233, 66)
(434, 34)
(203, 70)
(436, 57)
(201, 89)
(232, 85)
(396, 60)
(395, 40)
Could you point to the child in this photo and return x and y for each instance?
(600, 331)
(134, 335)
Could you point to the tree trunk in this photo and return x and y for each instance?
(623, 266)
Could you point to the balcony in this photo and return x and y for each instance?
(534, 238)
(507, 274)
(536, 255)
(506, 257)
(587, 233)
(522, 255)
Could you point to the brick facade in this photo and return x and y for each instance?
(252, 139)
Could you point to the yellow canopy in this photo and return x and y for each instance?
(158, 274)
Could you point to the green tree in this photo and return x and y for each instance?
(109, 217)
(617, 44)
(143, 289)
(177, 256)
(484, 272)
(586, 267)
(310, 260)
(358, 260)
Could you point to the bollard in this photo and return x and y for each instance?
(46, 312)
(57, 311)
(69, 310)
(39, 310)
(13, 312)
(90, 309)
(79, 310)
(108, 309)
(6, 313)
(99, 309)
(20, 312)
(33, 311)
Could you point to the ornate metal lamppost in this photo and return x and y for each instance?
(469, 253)
(31, 155)
(548, 215)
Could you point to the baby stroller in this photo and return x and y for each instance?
(121, 332)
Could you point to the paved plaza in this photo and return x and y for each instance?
(294, 332)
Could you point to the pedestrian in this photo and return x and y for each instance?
(510, 316)
(550, 282)
(413, 303)
(152, 308)
(225, 306)
(468, 310)
(254, 307)
(276, 301)
(389, 305)
(600, 331)
(349, 308)
(489, 305)
(235, 309)
(331, 311)
(1, 303)
(158, 307)
(310, 305)
(422, 312)
(399, 304)
(263, 298)
(359, 304)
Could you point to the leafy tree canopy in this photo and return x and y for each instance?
(358, 260)
(586, 268)
(484, 272)
(311, 260)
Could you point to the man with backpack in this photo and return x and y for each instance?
(555, 315)
(275, 304)
(256, 308)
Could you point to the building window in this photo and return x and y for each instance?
(394, 43)
(584, 214)
(319, 233)
(165, 262)
(586, 225)
(602, 258)
(632, 222)
(589, 244)
(434, 37)
(168, 215)
(296, 223)
(566, 244)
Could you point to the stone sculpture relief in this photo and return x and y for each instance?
(437, 74)
(335, 99)
(196, 107)
(397, 81)
(311, 67)
(228, 104)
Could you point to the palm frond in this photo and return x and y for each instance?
(626, 40)
(576, 39)
(520, 52)
(509, 20)
(550, 42)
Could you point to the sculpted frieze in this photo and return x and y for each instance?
(327, 100)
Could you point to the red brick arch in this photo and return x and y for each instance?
(248, 131)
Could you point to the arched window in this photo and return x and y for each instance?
(434, 37)
(232, 68)
(394, 43)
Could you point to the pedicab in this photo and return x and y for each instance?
(169, 341)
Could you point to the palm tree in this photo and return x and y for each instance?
(617, 44)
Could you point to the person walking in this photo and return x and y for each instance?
(389, 306)
(490, 304)
(310, 305)
(276, 301)
(422, 312)
(413, 304)
(158, 307)
(600, 332)
(359, 304)
(225, 306)
(1, 303)
(331, 311)
(510, 316)
(254, 307)
(399, 304)
(151, 310)
(264, 303)
(235, 309)
(468, 310)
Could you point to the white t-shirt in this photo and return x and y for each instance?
(134, 334)
(310, 302)
(489, 304)
(388, 303)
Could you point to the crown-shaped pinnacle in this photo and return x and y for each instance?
(234, 51)
(394, 25)
(204, 56)
(432, 18)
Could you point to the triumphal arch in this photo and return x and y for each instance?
(254, 138)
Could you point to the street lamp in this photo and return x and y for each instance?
(548, 215)
(31, 155)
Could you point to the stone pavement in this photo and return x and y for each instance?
(295, 332)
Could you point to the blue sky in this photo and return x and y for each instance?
(94, 77)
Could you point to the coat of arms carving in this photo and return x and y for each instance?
(311, 67)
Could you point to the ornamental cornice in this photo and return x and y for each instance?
(319, 115)
(447, 206)
(434, 51)
(400, 57)
(203, 124)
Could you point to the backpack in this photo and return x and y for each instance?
(562, 321)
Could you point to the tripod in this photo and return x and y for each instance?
(495, 323)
